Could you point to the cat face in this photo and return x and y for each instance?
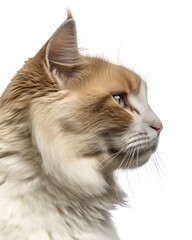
(101, 112)
(109, 118)
(84, 109)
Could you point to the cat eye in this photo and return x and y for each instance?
(121, 100)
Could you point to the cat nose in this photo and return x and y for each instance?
(158, 126)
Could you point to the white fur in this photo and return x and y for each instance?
(29, 212)
(146, 117)
(51, 195)
(50, 188)
(47, 191)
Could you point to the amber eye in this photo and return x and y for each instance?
(120, 99)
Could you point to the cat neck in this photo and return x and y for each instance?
(22, 176)
(78, 198)
(41, 192)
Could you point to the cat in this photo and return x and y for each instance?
(67, 122)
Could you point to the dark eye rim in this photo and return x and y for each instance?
(124, 97)
(127, 104)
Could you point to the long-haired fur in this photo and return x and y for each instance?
(62, 135)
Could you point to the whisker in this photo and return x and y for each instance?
(146, 168)
(137, 162)
(159, 170)
(162, 163)
(156, 166)
(151, 164)
(127, 167)
(112, 156)
(118, 55)
(111, 159)
(119, 167)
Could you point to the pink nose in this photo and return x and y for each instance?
(157, 126)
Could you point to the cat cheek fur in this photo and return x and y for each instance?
(59, 128)
(59, 149)
(77, 126)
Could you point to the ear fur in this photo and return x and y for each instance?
(62, 49)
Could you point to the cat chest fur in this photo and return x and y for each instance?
(67, 122)
(37, 209)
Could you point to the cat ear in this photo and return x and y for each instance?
(62, 49)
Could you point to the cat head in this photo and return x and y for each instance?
(82, 110)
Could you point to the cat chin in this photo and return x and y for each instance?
(141, 161)
(136, 162)
(136, 158)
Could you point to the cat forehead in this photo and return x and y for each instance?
(116, 78)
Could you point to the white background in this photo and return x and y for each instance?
(155, 39)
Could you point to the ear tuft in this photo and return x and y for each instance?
(69, 14)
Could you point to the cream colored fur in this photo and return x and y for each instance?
(53, 203)
(62, 136)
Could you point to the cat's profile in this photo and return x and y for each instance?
(67, 122)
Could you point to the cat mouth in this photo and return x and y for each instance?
(133, 157)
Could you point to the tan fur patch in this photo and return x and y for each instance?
(62, 134)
